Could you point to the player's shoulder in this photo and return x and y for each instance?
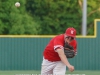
(60, 36)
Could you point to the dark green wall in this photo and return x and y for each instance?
(26, 53)
(21, 53)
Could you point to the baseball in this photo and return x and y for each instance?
(17, 4)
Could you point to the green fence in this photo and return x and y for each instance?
(26, 53)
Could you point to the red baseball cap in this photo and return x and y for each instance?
(70, 32)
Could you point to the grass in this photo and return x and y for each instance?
(38, 73)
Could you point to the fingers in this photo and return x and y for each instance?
(71, 68)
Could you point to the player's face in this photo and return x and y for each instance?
(69, 39)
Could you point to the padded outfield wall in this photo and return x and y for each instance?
(22, 52)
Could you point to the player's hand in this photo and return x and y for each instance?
(71, 68)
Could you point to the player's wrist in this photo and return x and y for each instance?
(68, 65)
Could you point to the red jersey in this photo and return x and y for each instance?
(56, 42)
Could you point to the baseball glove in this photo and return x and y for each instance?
(69, 51)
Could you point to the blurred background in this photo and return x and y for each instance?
(23, 55)
(46, 17)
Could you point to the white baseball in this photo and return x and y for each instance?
(17, 4)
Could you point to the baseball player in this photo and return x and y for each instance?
(54, 59)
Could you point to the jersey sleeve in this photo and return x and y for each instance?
(58, 43)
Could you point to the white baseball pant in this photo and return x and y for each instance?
(53, 68)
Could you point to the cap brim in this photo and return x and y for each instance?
(72, 36)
